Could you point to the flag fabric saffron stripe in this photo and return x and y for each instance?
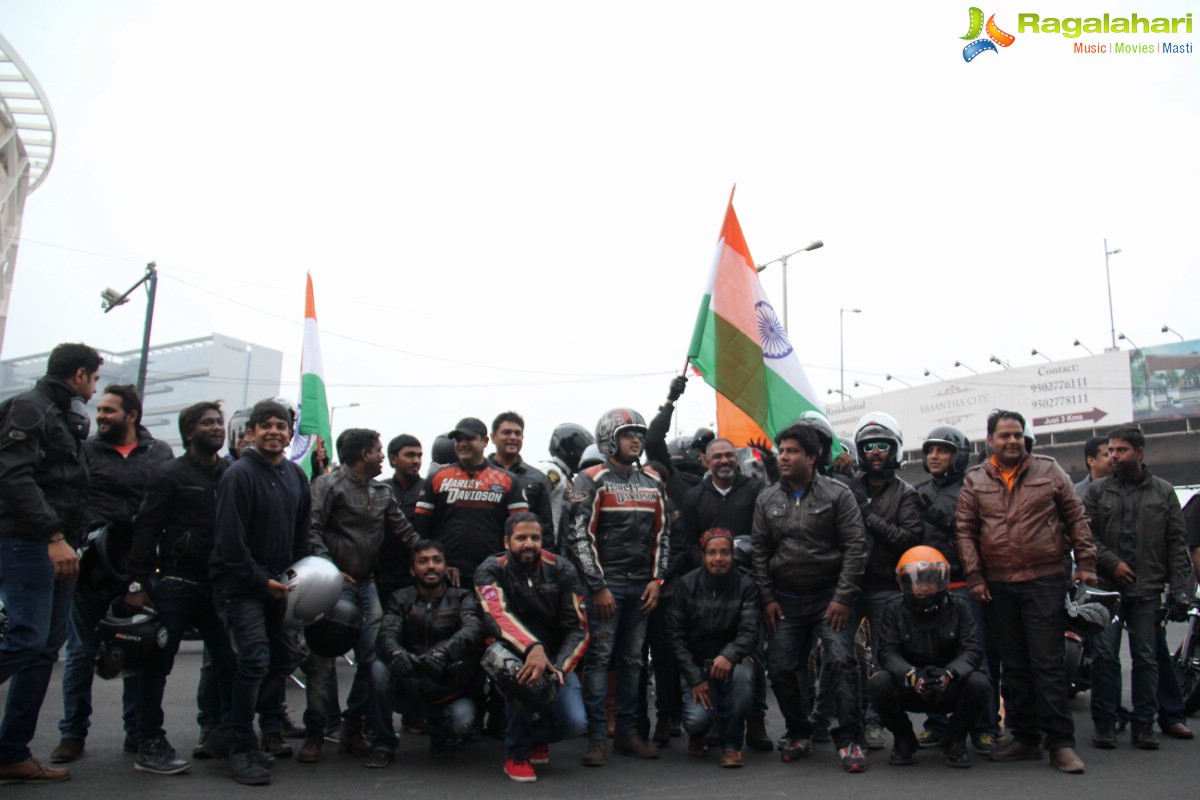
(314, 407)
(739, 345)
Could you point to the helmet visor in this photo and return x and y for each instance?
(924, 577)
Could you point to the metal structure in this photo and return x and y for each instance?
(27, 136)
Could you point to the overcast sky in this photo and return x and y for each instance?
(502, 202)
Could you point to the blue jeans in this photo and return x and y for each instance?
(79, 669)
(181, 605)
(787, 664)
(565, 719)
(266, 654)
(869, 605)
(1140, 616)
(38, 607)
(449, 722)
(1169, 696)
(732, 700)
(321, 671)
(615, 642)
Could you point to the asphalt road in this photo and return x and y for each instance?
(105, 772)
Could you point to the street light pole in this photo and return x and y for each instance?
(891, 377)
(1108, 279)
(332, 409)
(865, 383)
(109, 300)
(816, 244)
(1169, 329)
(842, 344)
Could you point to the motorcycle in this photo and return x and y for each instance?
(1187, 659)
(1089, 610)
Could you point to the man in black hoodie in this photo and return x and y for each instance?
(43, 484)
(262, 528)
(121, 457)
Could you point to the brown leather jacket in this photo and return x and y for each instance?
(1024, 534)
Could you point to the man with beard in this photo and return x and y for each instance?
(533, 603)
(428, 657)
(1140, 547)
(619, 537)
(892, 518)
(262, 528)
(508, 436)
(173, 536)
(713, 629)
(352, 515)
(1017, 518)
(121, 458)
(43, 481)
(724, 499)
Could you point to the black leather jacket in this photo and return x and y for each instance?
(815, 544)
(894, 524)
(350, 519)
(118, 483)
(938, 498)
(948, 639)
(537, 494)
(539, 606)
(619, 530)
(43, 475)
(449, 622)
(174, 527)
(709, 617)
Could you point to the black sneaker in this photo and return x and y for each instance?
(379, 759)
(275, 746)
(290, 729)
(159, 757)
(200, 751)
(1105, 736)
(853, 759)
(957, 754)
(247, 769)
(902, 751)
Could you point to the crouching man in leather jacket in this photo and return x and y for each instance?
(930, 655)
(532, 601)
(428, 665)
(713, 628)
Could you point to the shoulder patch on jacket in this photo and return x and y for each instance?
(25, 417)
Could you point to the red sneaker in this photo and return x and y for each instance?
(520, 771)
(540, 754)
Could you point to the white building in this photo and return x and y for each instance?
(26, 153)
(215, 367)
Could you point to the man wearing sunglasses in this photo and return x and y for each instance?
(892, 517)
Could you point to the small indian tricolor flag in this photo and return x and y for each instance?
(740, 347)
(314, 407)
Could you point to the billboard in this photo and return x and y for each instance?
(1056, 396)
(1166, 381)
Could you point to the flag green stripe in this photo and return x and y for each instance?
(698, 331)
(732, 363)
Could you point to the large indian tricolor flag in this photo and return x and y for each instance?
(741, 349)
(314, 407)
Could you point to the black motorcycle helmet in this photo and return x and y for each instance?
(104, 563)
(442, 451)
(338, 631)
(128, 642)
(502, 666)
(953, 438)
(568, 442)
